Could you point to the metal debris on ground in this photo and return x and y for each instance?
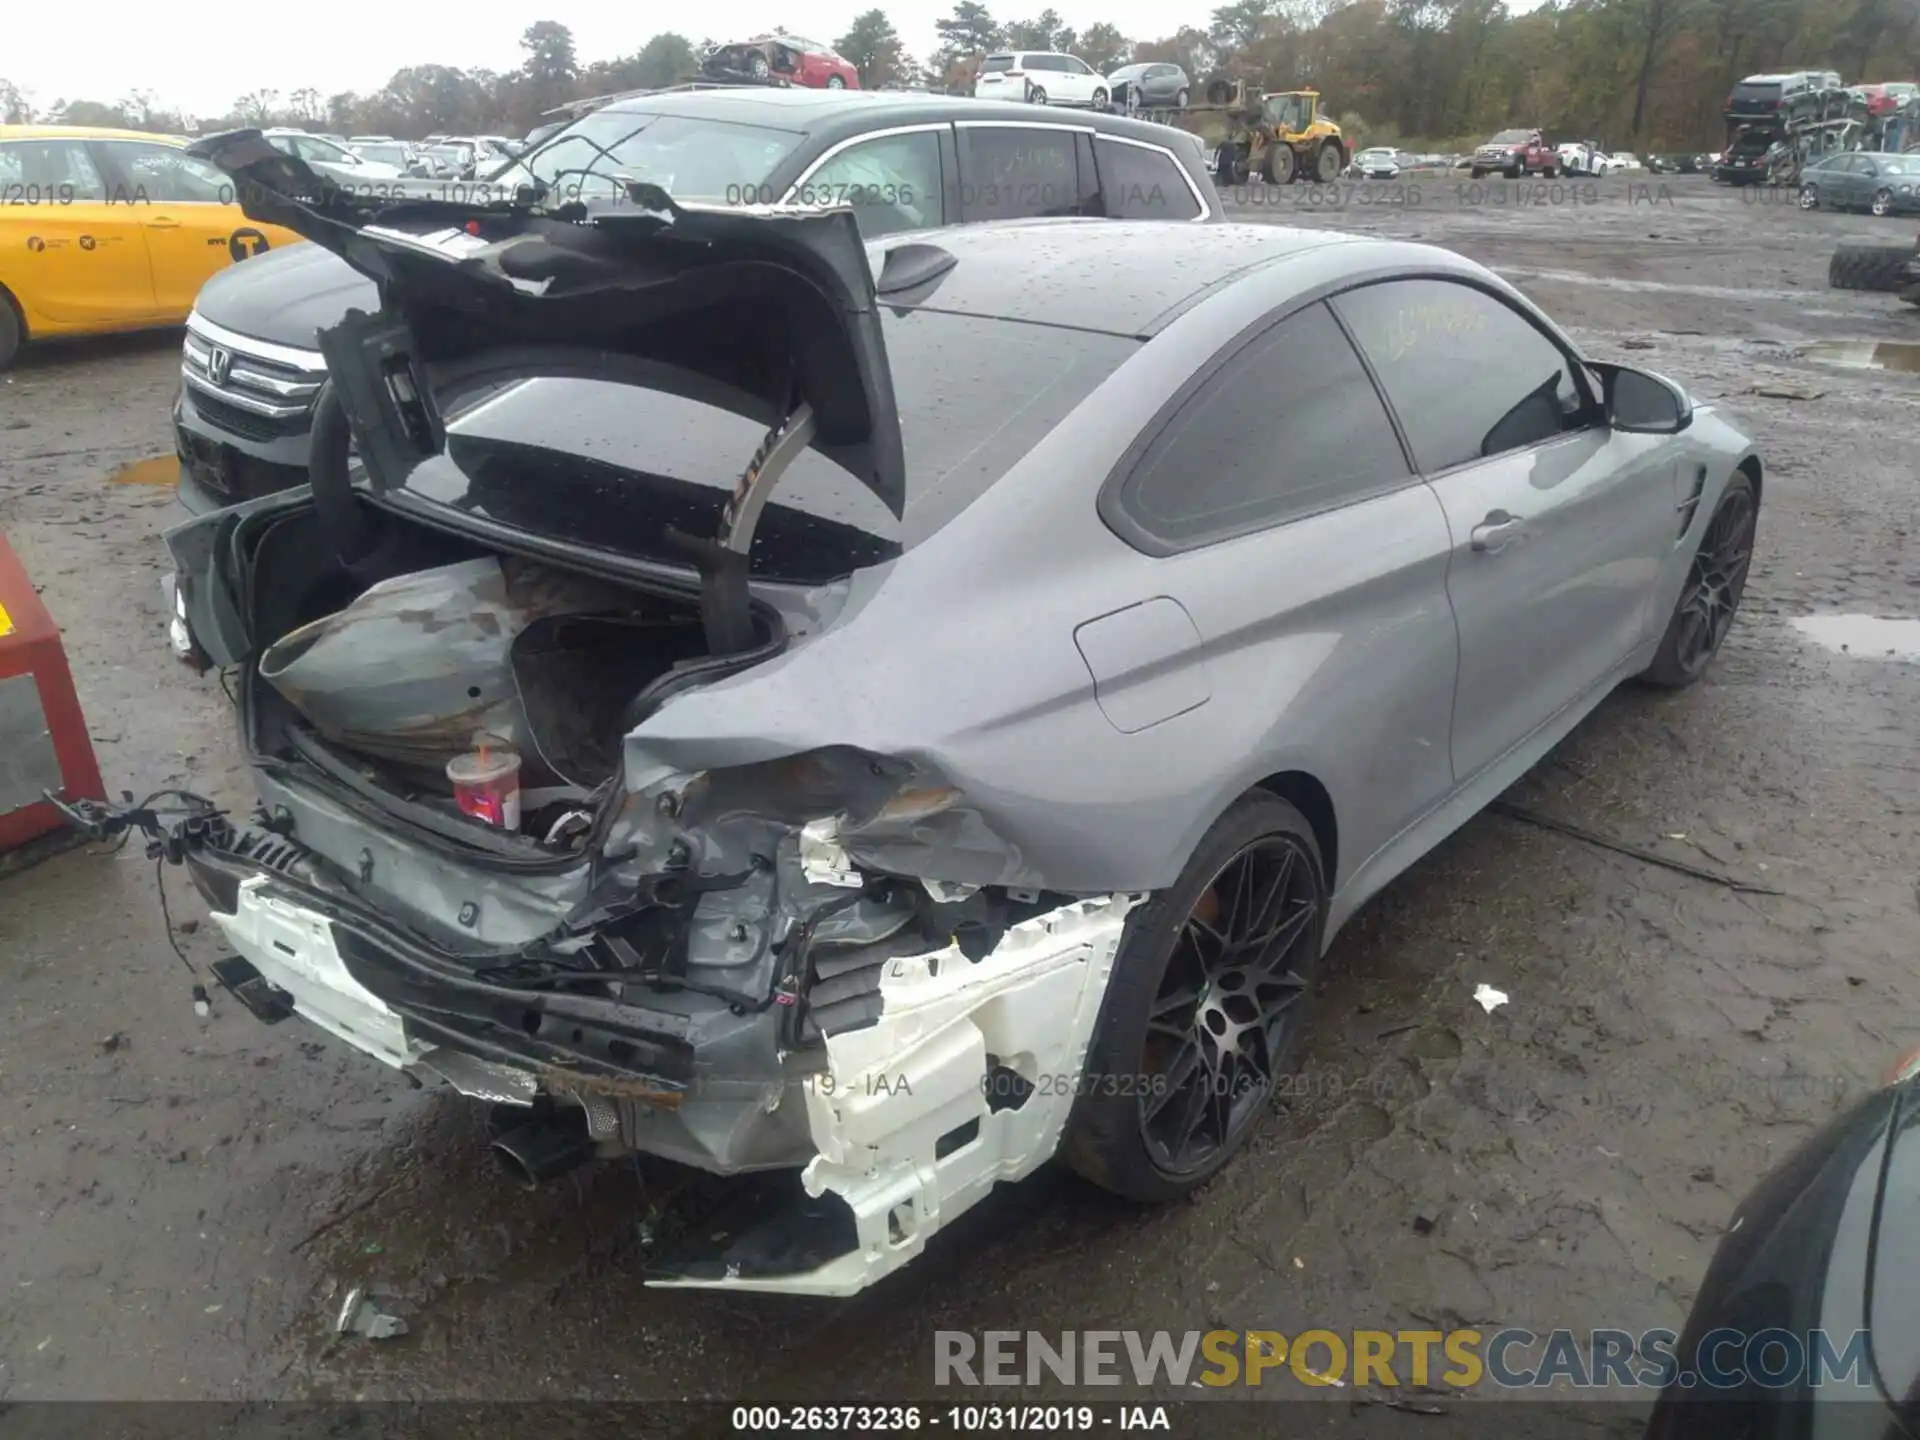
(1488, 998)
(1780, 390)
(359, 1315)
(1621, 847)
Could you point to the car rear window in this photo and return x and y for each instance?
(995, 63)
(610, 467)
(1764, 90)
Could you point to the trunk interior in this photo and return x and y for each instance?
(375, 676)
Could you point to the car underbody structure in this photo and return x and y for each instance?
(790, 956)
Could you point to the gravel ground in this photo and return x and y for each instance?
(183, 1201)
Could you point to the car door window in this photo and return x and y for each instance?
(1076, 66)
(1467, 375)
(892, 182)
(162, 175)
(1288, 427)
(1017, 171)
(48, 172)
(1140, 182)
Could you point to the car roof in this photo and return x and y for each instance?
(834, 114)
(1115, 277)
(82, 132)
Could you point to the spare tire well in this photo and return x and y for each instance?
(1310, 798)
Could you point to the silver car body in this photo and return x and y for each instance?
(1099, 699)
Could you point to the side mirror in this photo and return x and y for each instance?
(1643, 403)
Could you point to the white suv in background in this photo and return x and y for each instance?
(1041, 77)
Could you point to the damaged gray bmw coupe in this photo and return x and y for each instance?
(894, 715)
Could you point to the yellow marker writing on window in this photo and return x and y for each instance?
(6, 621)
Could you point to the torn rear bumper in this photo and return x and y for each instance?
(966, 1078)
(917, 1117)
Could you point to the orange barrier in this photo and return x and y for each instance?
(44, 743)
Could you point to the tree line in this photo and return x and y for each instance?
(1421, 73)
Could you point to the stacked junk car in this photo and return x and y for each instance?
(489, 852)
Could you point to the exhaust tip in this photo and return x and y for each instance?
(514, 1167)
(544, 1149)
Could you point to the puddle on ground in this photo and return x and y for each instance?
(160, 470)
(1867, 354)
(1863, 635)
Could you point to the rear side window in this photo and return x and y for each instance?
(1469, 377)
(1288, 427)
(1138, 182)
(47, 172)
(1011, 172)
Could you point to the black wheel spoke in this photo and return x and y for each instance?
(1270, 948)
(1178, 1077)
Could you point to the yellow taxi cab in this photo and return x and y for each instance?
(104, 230)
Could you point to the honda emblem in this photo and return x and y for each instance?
(219, 364)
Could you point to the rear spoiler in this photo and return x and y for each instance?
(774, 305)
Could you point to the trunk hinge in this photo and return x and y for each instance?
(725, 610)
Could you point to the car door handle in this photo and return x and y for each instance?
(1493, 533)
(161, 222)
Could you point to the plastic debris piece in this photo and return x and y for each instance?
(360, 1316)
(1488, 998)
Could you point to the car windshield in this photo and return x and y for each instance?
(1510, 137)
(1286, 112)
(688, 158)
(385, 154)
(1898, 164)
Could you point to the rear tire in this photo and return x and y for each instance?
(1036, 96)
(1327, 164)
(1710, 600)
(1180, 100)
(1099, 98)
(1809, 197)
(1180, 1002)
(12, 333)
(1882, 203)
(835, 82)
(1870, 267)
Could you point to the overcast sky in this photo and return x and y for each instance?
(201, 59)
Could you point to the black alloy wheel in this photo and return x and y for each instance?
(1223, 1020)
(1716, 580)
(1211, 988)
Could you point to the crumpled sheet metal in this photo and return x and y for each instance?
(418, 664)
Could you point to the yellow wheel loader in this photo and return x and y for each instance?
(1278, 137)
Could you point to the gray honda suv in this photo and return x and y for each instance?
(251, 369)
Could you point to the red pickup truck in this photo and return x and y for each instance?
(1515, 153)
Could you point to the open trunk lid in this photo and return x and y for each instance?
(769, 312)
